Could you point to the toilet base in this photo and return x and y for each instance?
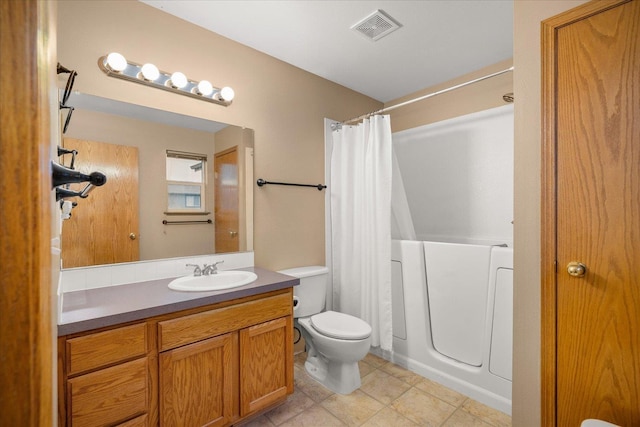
(333, 362)
(341, 378)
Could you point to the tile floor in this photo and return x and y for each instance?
(389, 396)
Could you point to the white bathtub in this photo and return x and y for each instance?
(457, 329)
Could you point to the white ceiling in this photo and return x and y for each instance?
(438, 40)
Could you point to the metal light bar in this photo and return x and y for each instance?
(115, 65)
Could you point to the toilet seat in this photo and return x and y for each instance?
(340, 326)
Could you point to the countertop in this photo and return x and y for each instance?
(97, 308)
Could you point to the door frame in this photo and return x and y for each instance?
(548, 267)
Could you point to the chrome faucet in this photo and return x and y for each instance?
(211, 268)
(197, 271)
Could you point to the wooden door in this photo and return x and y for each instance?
(103, 228)
(27, 43)
(227, 201)
(266, 365)
(591, 324)
(197, 383)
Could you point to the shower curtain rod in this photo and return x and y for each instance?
(421, 98)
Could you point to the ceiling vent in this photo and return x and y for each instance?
(376, 25)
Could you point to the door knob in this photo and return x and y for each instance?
(233, 233)
(576, 269)
(132, 236)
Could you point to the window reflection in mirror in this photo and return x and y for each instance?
(121, 127)
(186, 182)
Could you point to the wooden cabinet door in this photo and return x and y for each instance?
(266, 364)
(198, 383)
(593, 84)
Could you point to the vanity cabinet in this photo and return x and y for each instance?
(246, 348)
(213, 366)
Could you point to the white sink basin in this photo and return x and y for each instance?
(213, 282)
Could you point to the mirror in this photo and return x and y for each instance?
(131, 217)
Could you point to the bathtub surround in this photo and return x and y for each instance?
(451, 185)
(457, 333)
(401, 221)
(360, 221)
(455, 188)
(458, 178)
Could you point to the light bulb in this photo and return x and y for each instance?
(116, 62)
(150, 72)
(205, 88)
(178, 80)
(226, 94)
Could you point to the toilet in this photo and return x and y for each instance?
(336, 342)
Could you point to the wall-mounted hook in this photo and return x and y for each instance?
(62, 151)
(62, 193)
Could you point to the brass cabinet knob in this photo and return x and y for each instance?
(576, 269)
(132, 236)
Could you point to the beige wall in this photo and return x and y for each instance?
(284, 105)
(526, 323)
(466, 100)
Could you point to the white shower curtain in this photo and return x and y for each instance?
(361, 231)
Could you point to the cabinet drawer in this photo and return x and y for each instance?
(188, 329)
(141, 421)
(109, 396)
(106, 348)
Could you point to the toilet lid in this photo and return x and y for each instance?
(340, 325)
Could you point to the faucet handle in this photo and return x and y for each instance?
(197, 271)
(211, 268)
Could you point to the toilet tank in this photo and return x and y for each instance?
(312, 290)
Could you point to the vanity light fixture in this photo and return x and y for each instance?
(116, 65)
